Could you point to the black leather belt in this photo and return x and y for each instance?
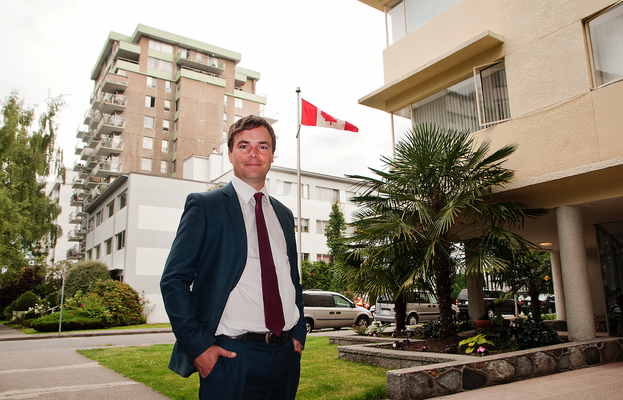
(268, 338)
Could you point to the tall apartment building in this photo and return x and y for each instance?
(546, 75)
(158, 98)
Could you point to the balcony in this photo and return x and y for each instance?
(109, 145)
(77, 166)
(111, 103)
(91, 182)
(75, 218)
(87, 201)
(75, 253)
(100, 189)
(110, 124)
(81, 132)
(246, 94)
(77, 183)
(80, 212)
(95, 118)
(199, 61)
(78, 148)
(92, 143)
(86, 152)
(76, 235)
(111, 83)
(74, 200)
(92, 161)
(107, 168)
(85, 172)
(271, 116)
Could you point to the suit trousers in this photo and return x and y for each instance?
(258, 372)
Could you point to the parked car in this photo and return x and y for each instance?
(547, 301)
(493, 304)
(332, 310)
(422, 306)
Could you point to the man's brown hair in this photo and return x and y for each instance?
(247, 123)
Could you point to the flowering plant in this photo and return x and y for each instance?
(148, 308)
(475, 341)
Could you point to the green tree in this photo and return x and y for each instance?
(29, 278)
(316, 275)
(82, 275)
(26, 300)
(335, 233)
(435, 194)
(27, 216)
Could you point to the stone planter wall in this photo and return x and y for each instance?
(427, 375)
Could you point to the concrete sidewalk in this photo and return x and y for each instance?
(9, 334)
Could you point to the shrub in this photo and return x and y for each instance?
(430, 329)
(83, 275)
(90, 304)
(8, 311)
(26, 301)
(527, 334)
(123, 302)
(72, 320)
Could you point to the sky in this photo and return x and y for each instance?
(331, 49)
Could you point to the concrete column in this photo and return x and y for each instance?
(559, 291)
(475, 296)
(580, 321)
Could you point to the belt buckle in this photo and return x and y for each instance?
(271, 339)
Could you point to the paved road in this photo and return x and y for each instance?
(51, 369)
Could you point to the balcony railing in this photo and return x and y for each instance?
(100, 189)
(108, 146)
(110, 124)
(200, 61)
(81, 132)
(77, 165)
(74, 200)
(75, 253)
(110, 83)
(76, 182)
(113, 102)
(75, 218)
(92, 181)
(107, 168)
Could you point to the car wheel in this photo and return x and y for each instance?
(310, 325)
(362, 322)
(491, 313)
(412, 319)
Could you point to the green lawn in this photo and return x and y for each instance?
(323, 375)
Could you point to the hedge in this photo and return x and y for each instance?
(72, 321)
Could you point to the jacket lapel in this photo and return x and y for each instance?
(235, 213)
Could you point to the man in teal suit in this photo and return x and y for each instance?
(212, 283)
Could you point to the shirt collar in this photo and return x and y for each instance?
(246, 191)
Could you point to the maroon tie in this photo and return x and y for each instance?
(273, 310)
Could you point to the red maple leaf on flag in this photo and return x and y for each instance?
(328, 118)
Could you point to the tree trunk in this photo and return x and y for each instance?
(535, 304)
(443, 281)
(400, 306)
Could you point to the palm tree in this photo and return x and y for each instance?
(435, 194)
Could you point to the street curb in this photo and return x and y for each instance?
(86, 334)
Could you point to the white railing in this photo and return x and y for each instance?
(201, 58)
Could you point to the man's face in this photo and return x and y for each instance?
(251, 156)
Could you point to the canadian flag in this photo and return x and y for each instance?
(313, 116)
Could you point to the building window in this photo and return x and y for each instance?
(160, 65)
(173, 167)
(99, 218)
(323, 257)
(108, 246)
(165, 125)
(149, 122)
(320, 225)
(165, 146)
(97, 252)
(159, 46)
(492, 94)
(238, 103)
(89, 254)
(150, 101)
(225, 117)
(175, 126)
(304, 224)
(146, 164)
(304, 191)
(111, 208)
(148, 143)
(237, 118)
(406, 16)
(120, 239)
(177, 105)
(326, 194)
(152, 82)
(167, 105)
(605, 33)
(91, 225)
(174, 146)
(122, 199)
(163, 167)
(167, 86)
(225, 100)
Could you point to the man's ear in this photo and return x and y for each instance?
(229, 154)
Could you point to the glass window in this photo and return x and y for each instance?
(160, 46)
(148, 143)
(174, 146)
(122, 199)
(167, 105)
(120, 239)
(146, 164)
(167, 86)
(492, 94)
(97, 252)
(91, 224)
(89, 254)
(607, 47)
(225, 117)
(108, 246)
(149, 122)
(173, 167)
(396, 23)
(165, 125)
(165, 146)
(111, 208)
(238, 103)
(163, 167)
(177, 105)
(151, 82)
(160, 65)
(403, 17)
(150, 101)
(99, 218)
(341, 301)
(320, 225)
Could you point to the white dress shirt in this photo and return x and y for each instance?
(244, 311)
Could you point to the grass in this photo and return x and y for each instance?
(323, 375)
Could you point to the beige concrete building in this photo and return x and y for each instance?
(158, 98)
(547, 76)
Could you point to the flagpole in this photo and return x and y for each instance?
(298, 180)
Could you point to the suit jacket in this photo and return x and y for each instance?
(205, 263)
